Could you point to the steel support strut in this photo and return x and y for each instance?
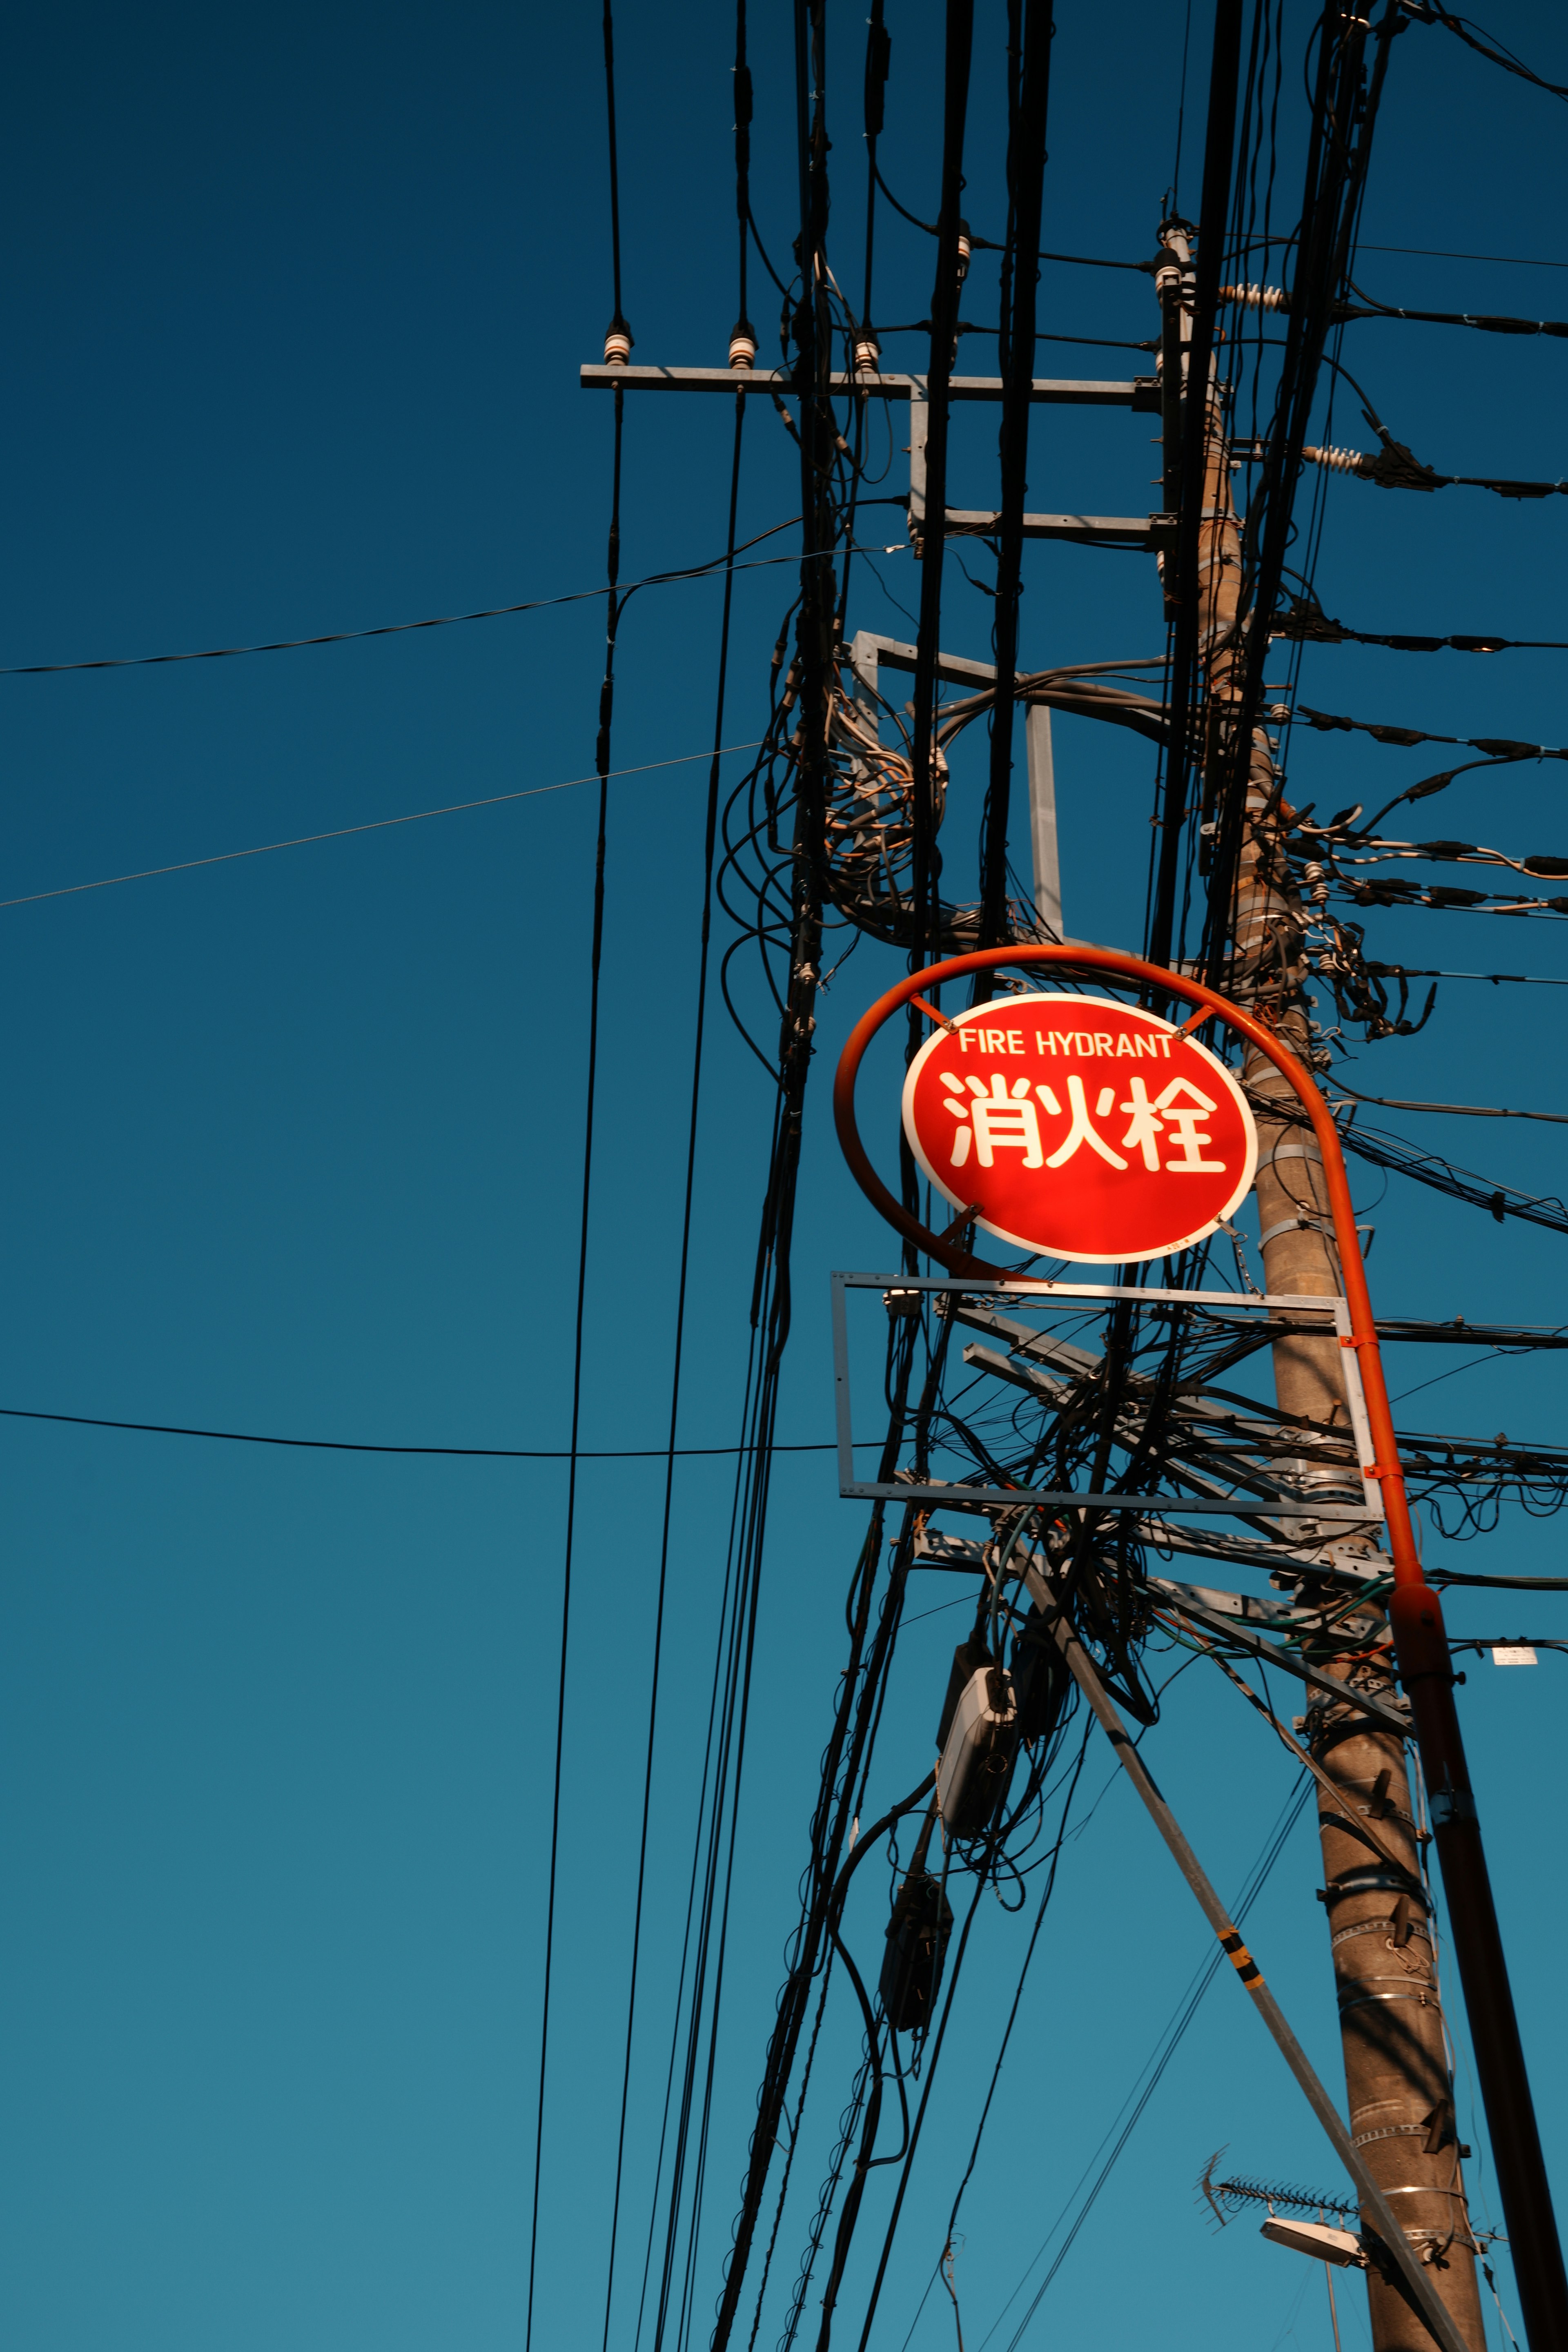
(1375, 2207)
(1415, 1615)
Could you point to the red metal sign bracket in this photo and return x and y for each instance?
(1421, 1643)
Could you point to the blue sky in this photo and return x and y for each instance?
(295, 304)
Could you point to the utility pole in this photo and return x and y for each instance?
(1397, 2078)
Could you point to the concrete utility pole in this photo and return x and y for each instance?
(1397, 2075)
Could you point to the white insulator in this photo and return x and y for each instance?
(965, 250)
(1256, 297)
(617, 344)
(743, 345)
(867, 355)
(1338, 461)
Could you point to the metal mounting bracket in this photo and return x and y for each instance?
(869, 655)
(1027, 1291)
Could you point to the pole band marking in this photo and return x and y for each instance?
(1240, 1958)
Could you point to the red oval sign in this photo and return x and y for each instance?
(1078, 1129)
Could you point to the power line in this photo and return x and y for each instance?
(404, 628)
(1154, 2068)
(596, 960)
(1435, 253)
(376, 824)
(710, 844)
(459, 1453)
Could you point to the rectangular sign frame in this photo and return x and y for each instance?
(854, 1489)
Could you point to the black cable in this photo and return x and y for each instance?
(710, 839)
(405, 628)
(1026, 177)
(814, 677)
(1174, 201)
(989, 245)
(706, 1782)
(744, 103)
(1164, 2050)
(607, 703)
(927, 859)
(459, 1453)
(1345, 117)
(1046, 1892)
(1427, 253)
(1306, 623)
(933, 2057)
(1185, 751)
(1393, 1151)
(618, 321)
(1501, 1583)
(878, 50)
(1316, 242)
(1456, 1110)
(844, 1761)
(1429, 12)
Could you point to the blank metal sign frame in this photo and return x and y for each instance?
(855, 1489)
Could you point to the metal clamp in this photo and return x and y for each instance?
(1291, 1226)
(1291, 1151)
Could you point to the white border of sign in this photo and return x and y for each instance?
(987, 1012)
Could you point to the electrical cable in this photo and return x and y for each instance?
(596, 958)
(618, 321)
(1047, 1890)
(1501, 1583)
(1025, 183)
(1429, 12)
(1181, 108)
(699, 1027)
(1430, 253)
(710, 1792)
(1305, 621)
(1517, 978)
(989, 245)
(1456, 1110)
(1154, 2068)
(476, 1452)
(1184, 691)
(1345, 117)
(405, 628)
(812, 677)
(958, 47)
(1393, 1151)
(344, 832)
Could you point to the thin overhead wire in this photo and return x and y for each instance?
(1434, 253)
(596, 960)
(1155, 2070)
(1429, 12)
(461, 1452)
(614, 161)
(406, 628)
(375, 824)
(698, 1028)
